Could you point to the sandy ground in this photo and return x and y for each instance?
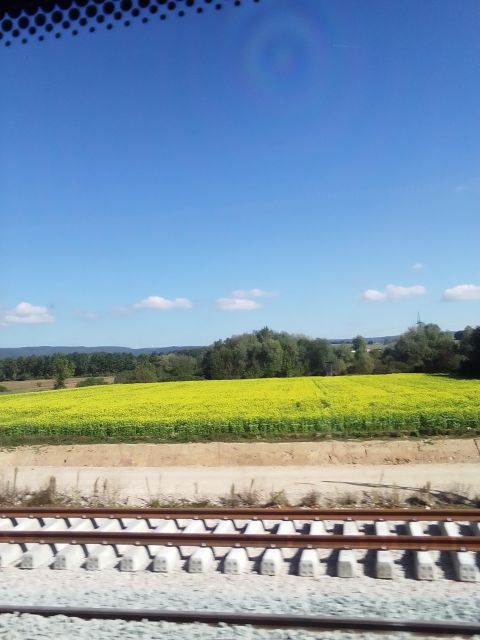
(219, 454)
(144, 472)
(44, 384)
(139, 484)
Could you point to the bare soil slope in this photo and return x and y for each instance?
(219, 454)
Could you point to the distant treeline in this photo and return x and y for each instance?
(267, 354)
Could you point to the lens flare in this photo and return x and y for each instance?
(283, 51)
(303, 54)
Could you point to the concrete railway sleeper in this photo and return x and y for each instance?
(236, 545)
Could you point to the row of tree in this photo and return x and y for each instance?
(266, 354)
(423, 349)
(80, 365)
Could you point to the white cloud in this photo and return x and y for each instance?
(393, 292)
(26, 313)
(85, 315)
(237, 304)
(373, 295)
(243, 299)
(252, 293)
(416, 266)
(163, 304)
(463, 292)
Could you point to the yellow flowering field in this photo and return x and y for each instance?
(349, 406)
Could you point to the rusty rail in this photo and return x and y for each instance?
(267, 620)
(439, 543)
(397, 514)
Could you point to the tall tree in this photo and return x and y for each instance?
(425, 349)
(470, 352)
(362, 361)
(62, 369)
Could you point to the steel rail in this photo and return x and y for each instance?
(256, 619)
(439, 543)
(397, 514)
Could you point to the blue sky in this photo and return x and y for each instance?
(310, 165)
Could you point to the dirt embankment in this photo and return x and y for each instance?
(219, 454)
(45, 384)
(138, 473)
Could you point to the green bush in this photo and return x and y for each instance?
(143, 372)
(90, 382)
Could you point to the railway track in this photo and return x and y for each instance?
(236, 541)
(277, 621)
(265, 513)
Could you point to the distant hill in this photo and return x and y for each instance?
(16, 352)
(376, 340)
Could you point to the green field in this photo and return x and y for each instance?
(353, 406)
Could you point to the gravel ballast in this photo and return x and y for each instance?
(367, 597)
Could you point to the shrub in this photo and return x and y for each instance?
(143, 372)
(90, 382)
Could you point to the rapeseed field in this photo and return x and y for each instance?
(348, 406)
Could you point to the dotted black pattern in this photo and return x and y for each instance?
(24, 20)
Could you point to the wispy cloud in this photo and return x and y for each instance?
(27, 313)
(417, 266)
(163, 304)
(237, 304)
(373, 295)
(470, 185)
(393, 292)
(244, 299)
(462, 292)
(86, 315)
(252, 293)
(122, 311)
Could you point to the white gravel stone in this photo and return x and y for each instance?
(325, 595)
